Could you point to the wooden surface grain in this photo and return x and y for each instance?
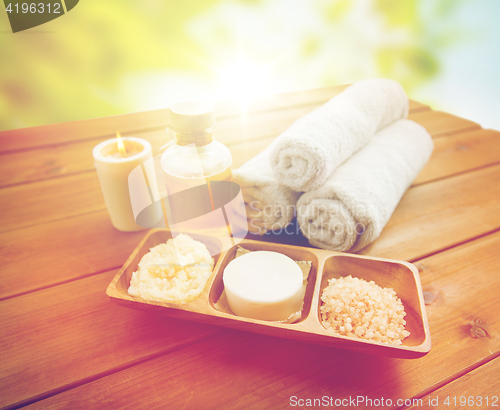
(50, 200)
(56, 198)
(477, 389)
(280, 369)
(441, 124)
(63, 344)
(440, 214)
(64, 133)
(60, 251)
(461, 153)
(51, 161)
(106, 127)
(82, 336)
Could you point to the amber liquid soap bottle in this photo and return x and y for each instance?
(193, 161)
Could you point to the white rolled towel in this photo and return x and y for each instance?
(269, 205)
(350, 210)
(306, 154)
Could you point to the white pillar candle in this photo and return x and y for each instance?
(113, 169)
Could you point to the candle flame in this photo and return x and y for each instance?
(120, 144)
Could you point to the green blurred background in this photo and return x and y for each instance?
(119, 56)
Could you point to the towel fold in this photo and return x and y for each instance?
(269, 205)
(350, 210)
(306, 154)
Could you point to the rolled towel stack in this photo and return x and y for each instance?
(269, 205)
(306, 154)
(351, 188)
(351, 208)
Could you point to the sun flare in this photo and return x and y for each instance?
(243, 81)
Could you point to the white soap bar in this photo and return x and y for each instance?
(263, 285)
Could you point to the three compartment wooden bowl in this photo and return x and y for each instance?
(403, 277)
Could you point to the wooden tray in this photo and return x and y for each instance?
(403, 277)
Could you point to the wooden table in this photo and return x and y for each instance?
(64, 344)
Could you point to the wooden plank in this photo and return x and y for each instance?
(452, 154)
(62, 133)
(259, 125)
(55, 161)
(46, 163)
(246, 128)
(106, 127)
(48, 254)
(440, 124)
(49, 200)
(416, 106)
(44, 201)
(478, 389)
(149, 120)
(66, 159)
(245, 151)
(430, 218)
(68, 334)
(276, 102)
(440, 214)
(234, 370)
(51, 161)
(460, 153)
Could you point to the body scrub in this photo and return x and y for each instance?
(356, 308)
(263, 285)
(176, 271)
